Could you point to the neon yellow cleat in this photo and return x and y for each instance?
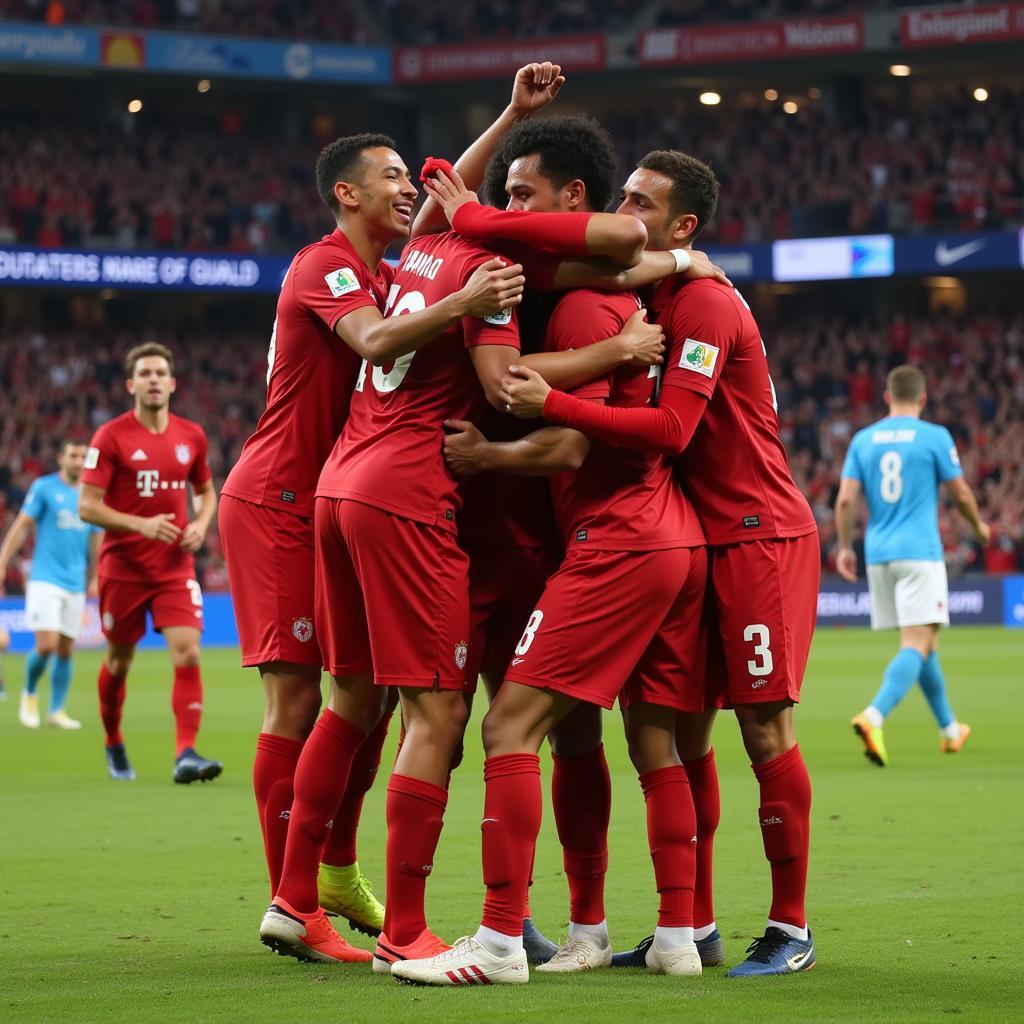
(345, 892)
(874, 743)
(949, 746)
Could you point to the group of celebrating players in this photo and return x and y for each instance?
(485, 462)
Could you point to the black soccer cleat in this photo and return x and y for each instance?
(118, 765)
(539, 948)
(193, 767)
(710, 950)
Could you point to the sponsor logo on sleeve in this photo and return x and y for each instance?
(500, 318)
(954, 456)
(699, 357)
(92, 458)
(342, 281)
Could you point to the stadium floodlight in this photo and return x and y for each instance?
(981, 94)
(771, 95)
(203, 85)
(134, 106)
(710, 99)
(899, 70)
(790, 107)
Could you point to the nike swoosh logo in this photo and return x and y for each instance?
(795, 961)
(946, 256)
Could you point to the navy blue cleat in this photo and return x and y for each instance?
(539, 948)
(711, 951)
(193, 767)
(776, 952)
(118, 765)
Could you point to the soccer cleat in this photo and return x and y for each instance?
(949, 746)
(679, 962)
(776, 952)
(710, 950)
(466, 963)
(307, 937)
(871, 736)
(28, 710)
(350, 896)
(388, 953)
(577, 955)
(62, 720)
(118, 765)
(192, 767)
(539, 948)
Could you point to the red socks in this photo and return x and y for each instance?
(340, 848)
(671, 833)
(415, 814)
(703, 776)
(564, 233)
(511, 823)
(272, 773)
(111, 691)
(581, 792)
(321, 776)
(785, 815)
(187, 704)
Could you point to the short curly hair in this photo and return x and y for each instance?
(694, 185)
(571, 146)
(341, 158)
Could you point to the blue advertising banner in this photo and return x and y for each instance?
(954, 254)
(134, 269)
(743, 262)
(1013, 601)
(26, 43)
(974, 600)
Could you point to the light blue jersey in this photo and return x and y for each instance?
(62, 539)
(900, 462)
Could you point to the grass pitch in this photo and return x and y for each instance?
(140, 902)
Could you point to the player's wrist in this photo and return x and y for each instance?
(683, 259)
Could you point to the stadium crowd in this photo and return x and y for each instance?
(947, 163)
(828, 373)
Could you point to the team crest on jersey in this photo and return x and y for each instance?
(183, 453)
(302, 629)
(461, 654)
(699, 357)
(342, 281)
(499, 319)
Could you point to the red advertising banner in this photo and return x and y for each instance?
(722, 44)
(950, 26)
(488, 60)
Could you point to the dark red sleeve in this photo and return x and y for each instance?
(330, 287)
(564, 233)
(703, 325)
(101, 459)
(666, 430)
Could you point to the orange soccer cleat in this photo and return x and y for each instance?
(424, 946)
(309, 937)
(949, 746)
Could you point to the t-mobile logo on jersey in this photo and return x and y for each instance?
(148, 482)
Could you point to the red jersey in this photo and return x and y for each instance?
(310, 375)
(619, 499)
(145, 474)
(734, 468)
(389, 454)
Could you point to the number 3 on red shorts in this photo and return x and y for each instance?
(757, 634)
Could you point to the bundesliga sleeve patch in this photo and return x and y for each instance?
(92, 458)
(499, 319)
(342, 281)
(699, 357)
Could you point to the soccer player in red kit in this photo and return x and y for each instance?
(135, 486)
(329, 317)
(718, 409)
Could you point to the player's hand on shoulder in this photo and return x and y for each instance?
(846, 564)
(494, 286)
(463, 446)
(192, 538)
(523, 392)
(535, 86)
(643, 343)
(448, 190)
(702, 267)
(160, 527)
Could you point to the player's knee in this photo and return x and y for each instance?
(185, 655)
(119, 661)
(46, 647)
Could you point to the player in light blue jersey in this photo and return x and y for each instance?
(900, 463)
(62, 563)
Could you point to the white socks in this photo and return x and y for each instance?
(498, 943)
(700, 934)
(790, 929)
(672, 938)
(874, 716)
(595, 933)
(951, 731)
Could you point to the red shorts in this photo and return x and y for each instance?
(505, 584)
(124, 603)
(269, 554)
(392, 596)
(618, 622)
(763, 598)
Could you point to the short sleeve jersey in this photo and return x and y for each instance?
(146, 474)
(389, 453)
(310, 375)
(734, 469)
(900, 462)
(61, 554)
(619, 499)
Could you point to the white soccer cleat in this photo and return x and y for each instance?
(578, 955)
(28, 710)
(466, 963)
(62, 720)
(680, 962)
